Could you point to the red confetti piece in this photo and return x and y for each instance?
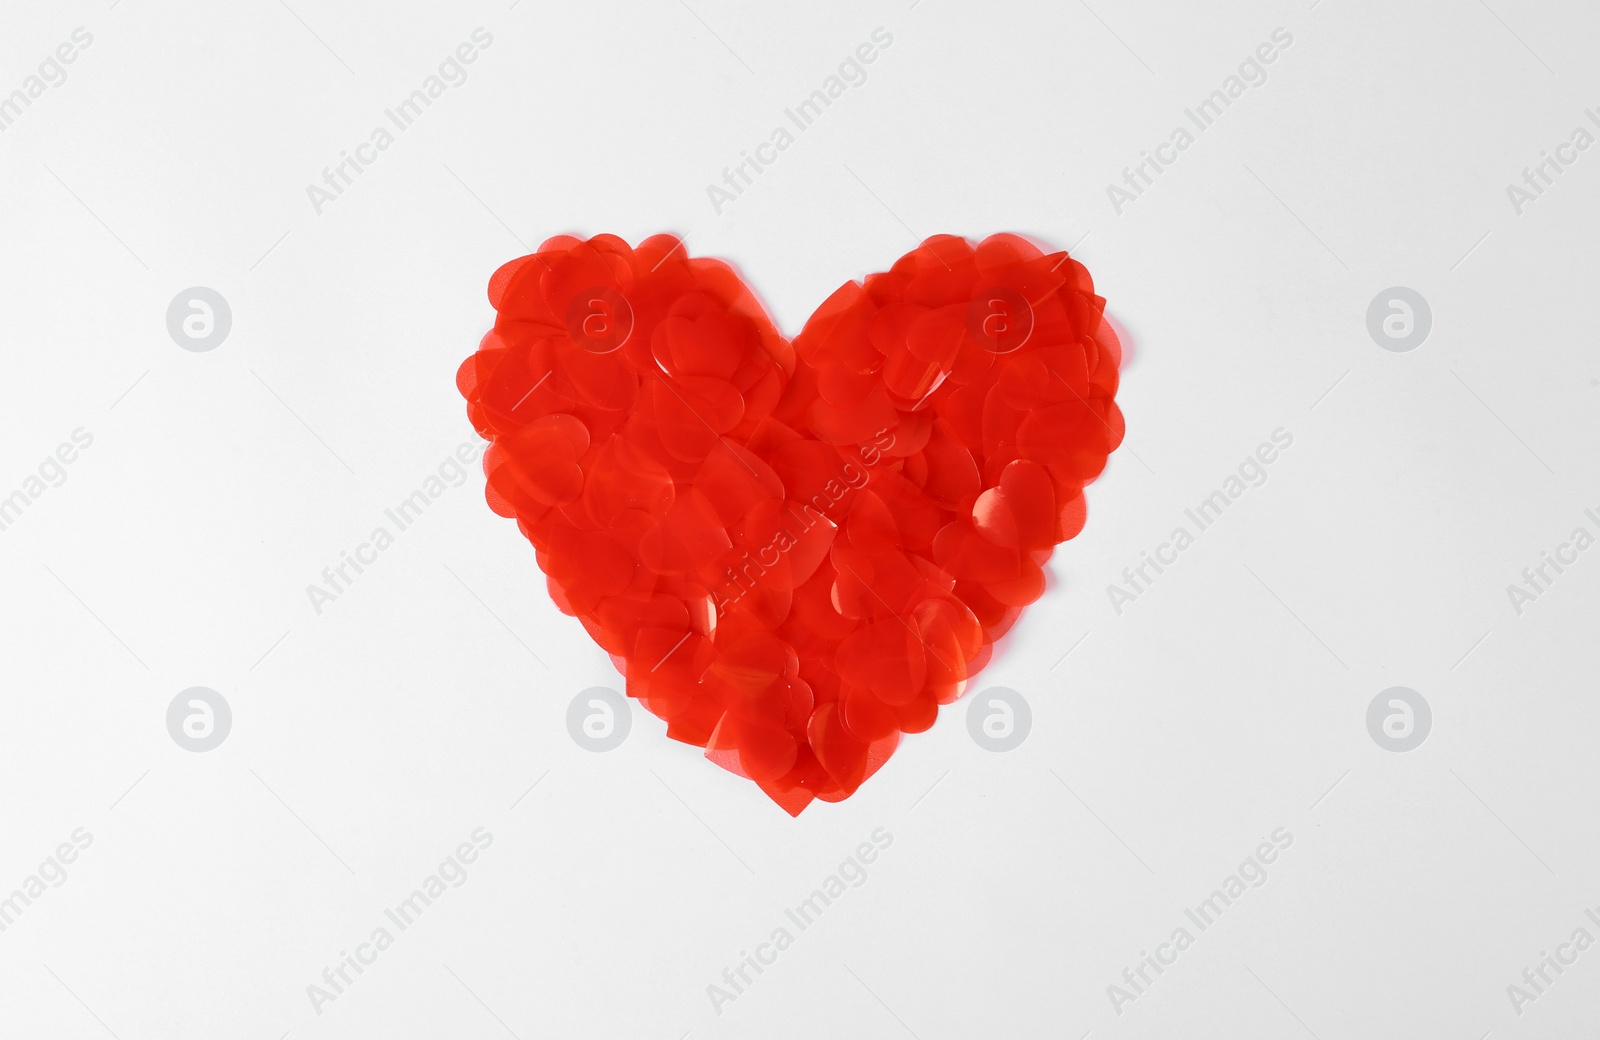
(795, 551)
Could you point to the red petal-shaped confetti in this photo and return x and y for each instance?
(794, 552)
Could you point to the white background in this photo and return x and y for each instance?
(1229, 700)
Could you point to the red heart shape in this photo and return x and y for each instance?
(794, 551)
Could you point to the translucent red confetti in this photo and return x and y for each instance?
(795, 551)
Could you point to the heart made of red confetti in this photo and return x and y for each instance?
(794, 550)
